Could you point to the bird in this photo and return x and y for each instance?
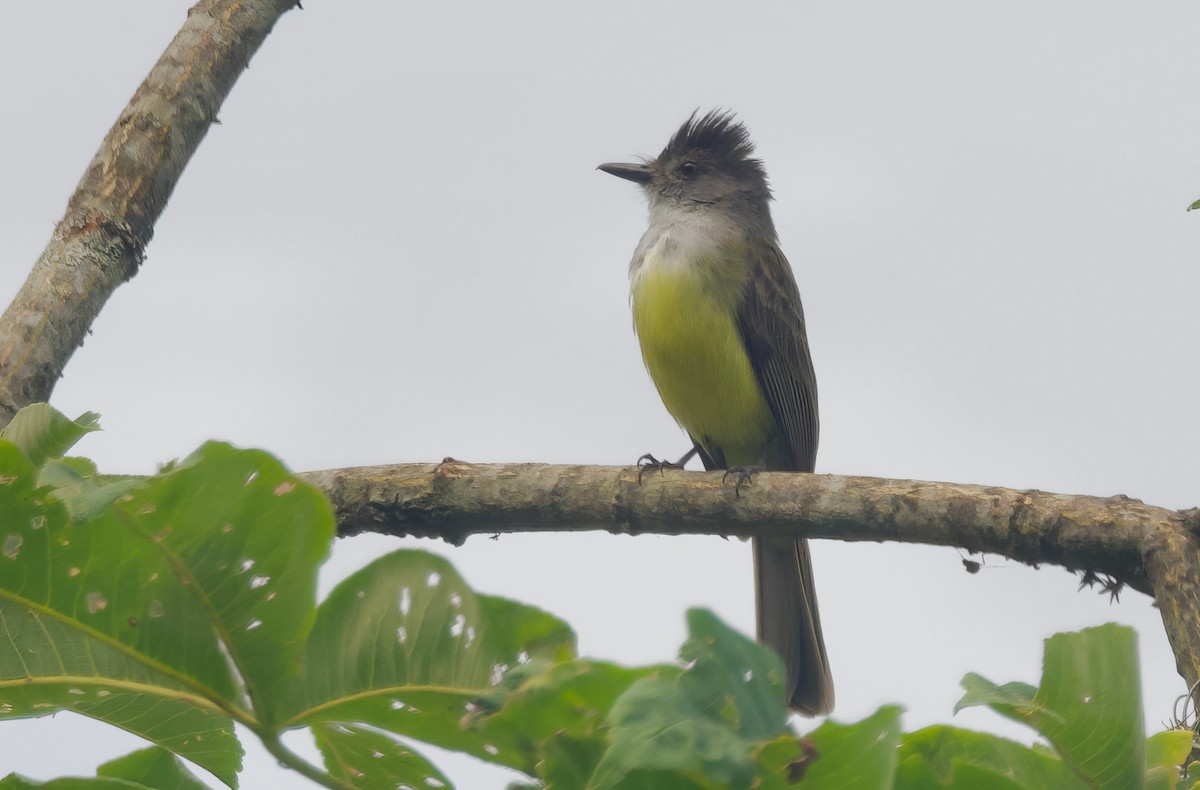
(719, 320)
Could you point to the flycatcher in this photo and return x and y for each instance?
(719, 320)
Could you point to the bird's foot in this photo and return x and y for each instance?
(742, 476)
(648, 463)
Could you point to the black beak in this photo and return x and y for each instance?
(639, 173)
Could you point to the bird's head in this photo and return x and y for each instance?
(708, 161)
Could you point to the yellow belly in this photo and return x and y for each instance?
(693, 349)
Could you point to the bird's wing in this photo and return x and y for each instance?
(771, 320)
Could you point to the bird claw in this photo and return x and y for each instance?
(649, 463)
(743, 475)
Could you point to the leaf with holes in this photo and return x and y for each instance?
(733, 677)
(62, 648)
(406, 646)
(371, 759)
(160, 612)
(243, 538)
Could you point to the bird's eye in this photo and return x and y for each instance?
(689, 169)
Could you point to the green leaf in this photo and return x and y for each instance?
(560, 710)
(244, 539)
(944, 754)
(703, 726)
(66, 470)
(1170, 748)
(540, 700)
(369, 759)
(147, 769)
(783, 762)
(62, 649)
(568, 761)
(973, 777)
(698, 727)
(863, 754)
(658, 729)
(18, 782)
(1195, 205)
(406, 646)
(648, 779)
(1015, 698)
(75, 484)
(152, 767)
(1165, 753)
(135, 616)
(734, 677)
(43, 432)
(1193, 777)
(1088, 705)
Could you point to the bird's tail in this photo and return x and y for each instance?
(789, 623)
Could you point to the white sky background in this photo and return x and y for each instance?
(396, 248)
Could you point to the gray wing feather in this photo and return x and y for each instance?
(771, 319)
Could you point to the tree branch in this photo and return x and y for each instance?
(452, 500)
(1172, 562)
(1148, 548)
(101, 240)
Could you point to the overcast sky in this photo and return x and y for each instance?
(396, 247)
